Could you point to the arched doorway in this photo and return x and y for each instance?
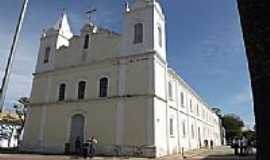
(76, 130)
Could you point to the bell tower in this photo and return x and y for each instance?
(144, 29)
(51, 40)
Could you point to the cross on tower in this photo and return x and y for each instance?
(90, 13)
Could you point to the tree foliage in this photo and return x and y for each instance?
(233, 126)
(249, 134)
(218, 112)
(21, 110)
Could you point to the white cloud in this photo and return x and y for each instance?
(21, 77)
(243, 97)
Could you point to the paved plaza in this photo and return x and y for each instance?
(219, 153)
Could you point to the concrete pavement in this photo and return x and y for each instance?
(219, 153)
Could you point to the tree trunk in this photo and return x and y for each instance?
(255, 20)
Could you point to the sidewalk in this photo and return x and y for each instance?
(219, 153)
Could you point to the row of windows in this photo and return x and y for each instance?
(103, 89)
(184, 132)
(191, 104)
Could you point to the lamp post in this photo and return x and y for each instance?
(11, 56)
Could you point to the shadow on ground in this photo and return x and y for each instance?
(229, 157)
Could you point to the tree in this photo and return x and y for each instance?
(250, 135)
(218, 112)
(254, 16)
(21, 110)
(233, 126)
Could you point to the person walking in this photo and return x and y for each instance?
(249, 147)
(239, 146)
(235, 146)
(93, 143)
(212, 145)
(86, 149)
(78, 146)
(245, 146)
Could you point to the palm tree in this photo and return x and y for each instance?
(255, 15)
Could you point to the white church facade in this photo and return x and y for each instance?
(116, 87)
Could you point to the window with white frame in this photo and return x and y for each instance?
(47, 55)
(198, 110)
(192, 131)
(171, 127)
(184, 128)
(160, 36)
(103, 87)
(191, 105)
(182, 99)
(62, 92)
(81, 89)
(170, 90)
(138, 33)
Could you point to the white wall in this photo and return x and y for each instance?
(183, 113)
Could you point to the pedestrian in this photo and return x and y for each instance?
(239, 146)
(245, 145)
(86, 147)
(212, 144)
(249, 147)
(235, 146)
(93, 143)
(78, 146)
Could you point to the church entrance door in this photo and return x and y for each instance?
(76, 130)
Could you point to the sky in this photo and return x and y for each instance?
(204, 45)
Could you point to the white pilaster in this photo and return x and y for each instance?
(42, 126)
(120, 104)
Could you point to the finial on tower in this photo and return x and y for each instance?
(90, 13)
(44, 34)
(127, 6)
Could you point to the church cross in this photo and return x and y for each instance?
(90, 13)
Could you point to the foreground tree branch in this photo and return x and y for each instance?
(255, 21)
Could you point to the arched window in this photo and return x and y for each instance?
(160, 36)
(86, 42)
(47, 55)
(138, 33)
(62, 92)
(81, 89)
(103, 87)
(170, 90)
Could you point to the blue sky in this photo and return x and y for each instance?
(204, 40)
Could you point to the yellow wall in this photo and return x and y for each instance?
(33, 125)
(135, 121)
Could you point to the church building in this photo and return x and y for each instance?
(116, 87)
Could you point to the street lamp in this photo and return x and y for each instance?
(4, 86)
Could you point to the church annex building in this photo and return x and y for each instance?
(116, 87)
